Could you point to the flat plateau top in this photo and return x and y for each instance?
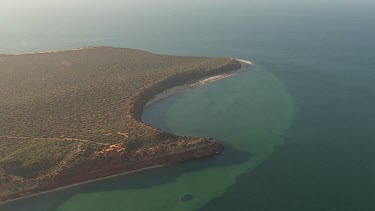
(53, 102)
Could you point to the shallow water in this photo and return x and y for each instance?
(297, 128)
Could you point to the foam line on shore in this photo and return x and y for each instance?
(183, 88)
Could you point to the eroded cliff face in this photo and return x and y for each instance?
(135, 110)
(114, 162)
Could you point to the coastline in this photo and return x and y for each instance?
(185, 87)
(189, 154)
(82, 183)
(118, 170)
(52, 51)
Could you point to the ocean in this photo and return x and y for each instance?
(298, 127)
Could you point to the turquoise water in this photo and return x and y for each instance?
(297, 128)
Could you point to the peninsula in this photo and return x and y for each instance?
(72, 116)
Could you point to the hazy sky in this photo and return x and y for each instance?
(44, 4)
(26, 24)
(16, 8)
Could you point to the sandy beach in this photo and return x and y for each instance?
(183, 88)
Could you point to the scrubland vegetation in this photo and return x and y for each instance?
(59, 108)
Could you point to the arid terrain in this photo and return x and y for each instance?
(69, 116)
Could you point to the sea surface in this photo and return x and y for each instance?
(298, 127)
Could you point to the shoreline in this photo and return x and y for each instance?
(190, 85)
(157, 162)
(82, 183)
(158, 97)
(52, 51)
